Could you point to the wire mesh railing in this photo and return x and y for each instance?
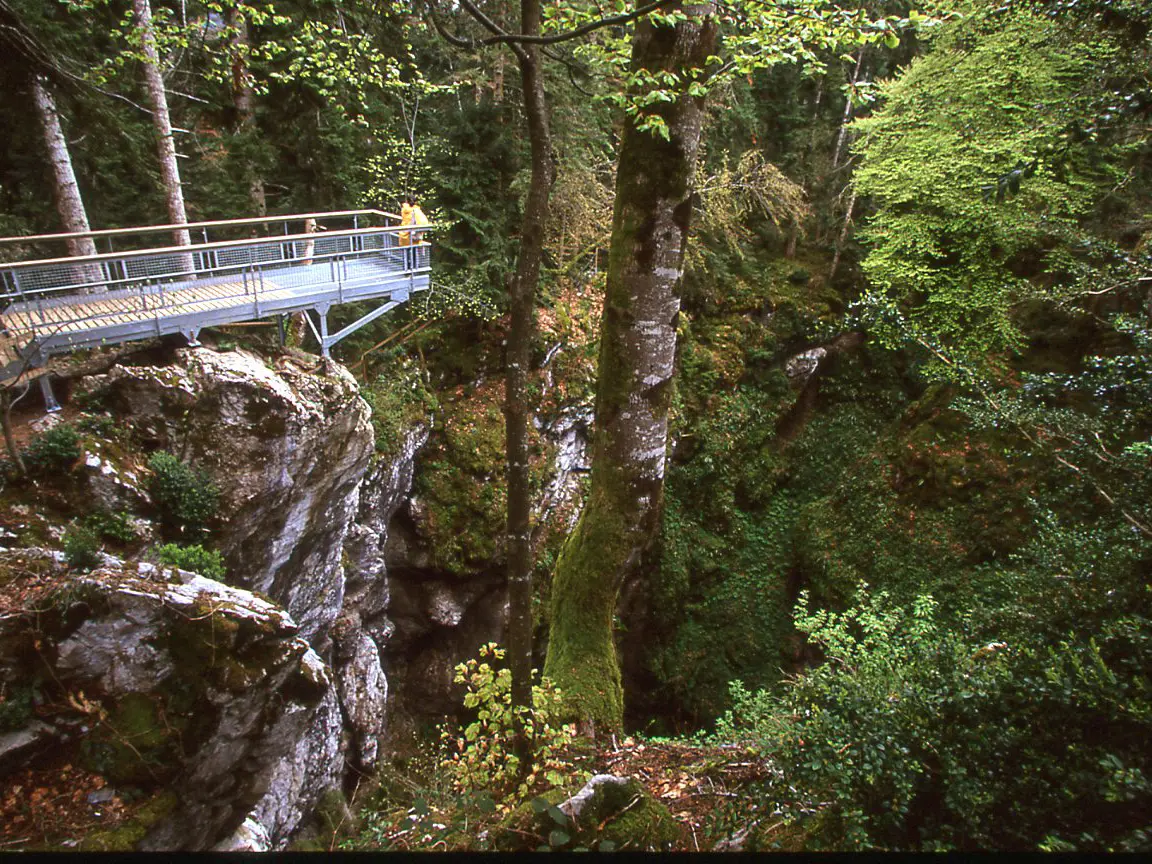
(113, 240)
(159, 279)
(56, 305)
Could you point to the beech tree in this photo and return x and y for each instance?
(528, 46)
(161, 121)
(674, 63)
(69, 204)
(637, 353)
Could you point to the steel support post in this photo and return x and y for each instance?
(50, 403)
(323, 331)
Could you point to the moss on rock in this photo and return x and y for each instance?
(124, 837)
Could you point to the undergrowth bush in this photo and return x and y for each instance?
(912, 737)
(399, 400)
(112, 526)
(81, 547)
(465, 791)
(480, 756)
(209, 563)
(185, 497)
(54, 450)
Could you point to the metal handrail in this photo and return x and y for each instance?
(59, 304)
(79, 260)
(218, 223)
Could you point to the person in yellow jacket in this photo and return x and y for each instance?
(405, 220)
(418, 219)
(411, 216)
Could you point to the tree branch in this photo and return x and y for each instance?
(583, 30)
(492, 27)
(515, 40)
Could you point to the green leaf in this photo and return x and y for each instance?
(539, 805)
(558, 816)
(558, 838)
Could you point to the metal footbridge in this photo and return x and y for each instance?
(236, 270)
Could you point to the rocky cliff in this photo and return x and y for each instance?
(288, 443)
(329, 638)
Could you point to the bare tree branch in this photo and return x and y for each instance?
(501, 36)
(583, 30)
(492, 27)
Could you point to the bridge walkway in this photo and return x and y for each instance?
(51, 306)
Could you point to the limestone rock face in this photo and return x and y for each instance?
(364, 696)
(384, 491)
(800, 367)
(112, 484)
(311, 766)
(287, 441)
(249, 837)
(204, 675)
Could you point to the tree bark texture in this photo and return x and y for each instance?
(840, 240)
(69, 204)
(842, 137)
(162, 123)
(243, 102)
(637, 356)
(519, 358)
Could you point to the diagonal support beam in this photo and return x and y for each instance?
(50, 404)
(395, 300)
(323, 313)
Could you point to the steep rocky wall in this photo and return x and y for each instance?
(160, 680)
(313, 522)
(287, 440)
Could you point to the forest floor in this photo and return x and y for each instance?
(715, 793)
(697, 783)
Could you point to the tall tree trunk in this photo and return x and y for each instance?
(843, 235)
(162, 123)
(522, 329)
(242, 100)
(69, 204)
(637, 356)
(842, 138)
(9, 435)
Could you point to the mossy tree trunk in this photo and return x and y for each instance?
(637, 354)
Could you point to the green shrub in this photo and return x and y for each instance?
(481, 757)
(909, 737)
(102, 425)
(54, 450)
(81, 548)
(399, 400)
(113, 526)
(465, 792)
(15, 707)
(207, 562)
(185, 497)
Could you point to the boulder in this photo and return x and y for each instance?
(168, 682)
